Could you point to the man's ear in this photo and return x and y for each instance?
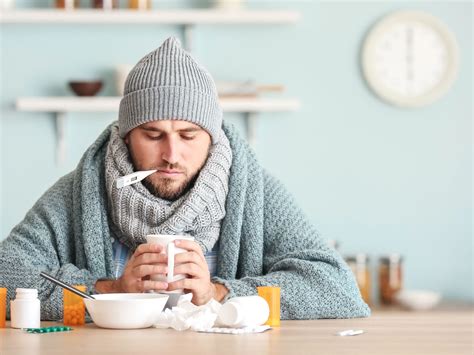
(126, 139)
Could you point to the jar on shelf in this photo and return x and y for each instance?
(228, 4)
(359, 265)
(390, 277)
(139, 4)
(67, 4)
(105, 4)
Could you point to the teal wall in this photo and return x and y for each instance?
(377, 178)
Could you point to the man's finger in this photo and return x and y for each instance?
(189, 257)
(190, 269)
(189, 245)
(148, 285)
(147, 248)
(189, 284)
(150, 258)
(146, 270)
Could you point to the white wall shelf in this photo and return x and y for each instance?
(61, 105)
(186, 18)
(111, 104)
(172, 17)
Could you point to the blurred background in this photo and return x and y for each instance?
(379, 177)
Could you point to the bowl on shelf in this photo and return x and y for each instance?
(125, 310)
(418, 300)
(85, 88)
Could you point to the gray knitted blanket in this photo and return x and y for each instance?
(265, 239)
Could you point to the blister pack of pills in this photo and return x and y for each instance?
(245, 330)
(47, 330)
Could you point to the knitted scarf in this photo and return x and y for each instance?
(136, 212)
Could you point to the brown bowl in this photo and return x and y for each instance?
(86, 88)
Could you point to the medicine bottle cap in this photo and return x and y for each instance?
(28, 293)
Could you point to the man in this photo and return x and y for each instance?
(208, 184)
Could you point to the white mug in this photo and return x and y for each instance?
(121, 73)
(171, 250)
(7, 4)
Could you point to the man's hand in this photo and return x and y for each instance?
(147, 260)
(198, 280)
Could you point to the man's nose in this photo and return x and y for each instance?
(170, 151)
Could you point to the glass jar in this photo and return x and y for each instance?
(390, 277)
(359, 264)
(67, 4)
(228, 4)
(105, 4)
(139, 4)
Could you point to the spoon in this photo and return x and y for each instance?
(66, 286)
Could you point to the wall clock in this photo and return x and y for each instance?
(410, 59)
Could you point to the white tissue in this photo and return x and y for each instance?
(186, 315)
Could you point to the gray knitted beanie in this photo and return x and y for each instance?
(169, 84)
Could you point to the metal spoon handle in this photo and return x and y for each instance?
(66, 286)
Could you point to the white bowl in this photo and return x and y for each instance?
(418, 300)
(125, 310)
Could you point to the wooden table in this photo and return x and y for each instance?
(398, 332)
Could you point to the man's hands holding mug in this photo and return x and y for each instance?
(150, 259)
(198, 280)
(147, 260)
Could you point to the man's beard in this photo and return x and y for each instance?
(164, 189)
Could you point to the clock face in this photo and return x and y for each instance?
(410, 59)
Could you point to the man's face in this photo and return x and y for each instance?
(178, 149)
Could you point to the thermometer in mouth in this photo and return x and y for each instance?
(133, 178)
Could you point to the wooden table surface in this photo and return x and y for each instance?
(435, 332)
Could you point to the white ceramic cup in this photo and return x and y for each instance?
(7, 4)
(167, 241)
(121, 73)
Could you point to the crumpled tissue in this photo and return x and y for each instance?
(185, 315)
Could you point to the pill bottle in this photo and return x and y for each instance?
(246, 311)
(271, 294)
(25, 309)
(3, 306)
(74, 312)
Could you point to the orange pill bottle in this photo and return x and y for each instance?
(271, 294)
(74, 312)
(3, 306)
